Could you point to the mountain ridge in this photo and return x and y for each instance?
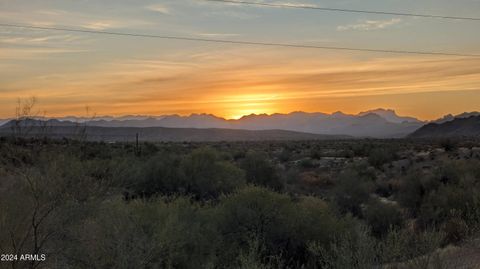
(378, 123)
(375, 123)
(63, 129)
(451, 117)
(459, 127)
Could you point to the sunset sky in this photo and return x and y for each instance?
(131, 75)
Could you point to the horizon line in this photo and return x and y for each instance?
(116, 117)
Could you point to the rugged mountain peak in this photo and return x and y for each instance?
(390, 115)
(451, 117)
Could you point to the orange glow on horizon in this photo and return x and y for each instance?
(240, 87)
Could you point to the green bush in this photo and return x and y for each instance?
(412, 191)
(348, 251)
(448, 144)
(382, 218)
(380, 156)
(285, 227)
(351, 191)
(202, 174)
(64, 198)
(206, 176)
(259, 171)
(153, 234)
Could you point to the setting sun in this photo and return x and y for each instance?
(242, 113)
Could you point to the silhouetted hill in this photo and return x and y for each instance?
(390, 115)
(451, 117)
(379, 123)
(458, 127)
(62, 129)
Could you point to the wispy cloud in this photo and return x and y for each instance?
(291, 4)
(238, 11)
(52, 12)
(231, 14)
(42, 23)
(369, 25)
(39, 39)
(167, 85)
(33, 53)
(100, 25)
(159, 8)
(277, 3)
(216, 34)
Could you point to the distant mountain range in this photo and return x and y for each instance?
(378, 123)
(458, 127)
(66, 129)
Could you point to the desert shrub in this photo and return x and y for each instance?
(202, 174)
(347, 251)
(206, 176)
(351, 191)
(283, 226)
(285, 155)
(380, 156)
(159, 175)
(449, 173)
(41, 201)
(455, 189)
(148, 149)
(455, 229)
(366, 173)
(384, 188)
(306, 163)
(259, 171)
(413, 250)
(313, 180)
(346, 153)
(238, 155)
(361, 149)
(439, 206)
(316, 153)
(382, 218)
(448, 144)
(252, 213)
(412, 190)
(255, 258)
(201, 214)
(141, 234)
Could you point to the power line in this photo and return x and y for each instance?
(224, 41)
(346, 10)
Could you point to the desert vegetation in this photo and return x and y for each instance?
(306, 204)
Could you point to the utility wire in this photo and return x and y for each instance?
(224, 41)
(345, 10)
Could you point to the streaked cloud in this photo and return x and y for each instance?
(216, 34)
(279, 3)
(296, 4)
(369, 25)
(226, 85)
(232, 14)
(44, 39)
(159, 8)
(33, 53)
(99, 25)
